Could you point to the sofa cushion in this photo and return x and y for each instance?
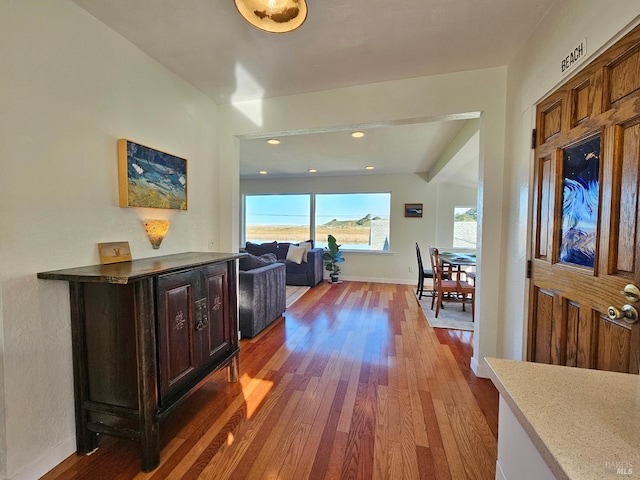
(307, 246)
(283, 248)
(296, 254)
(249, 262)
(262, 248)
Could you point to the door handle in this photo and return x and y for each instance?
(628, 313)
(631, 293)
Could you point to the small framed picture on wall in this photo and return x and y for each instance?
(413, 210)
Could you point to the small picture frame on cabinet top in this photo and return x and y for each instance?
(114, 252)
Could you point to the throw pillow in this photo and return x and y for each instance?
(249, 262)
(283, 248)
(307, 246)
(295, 254)
(261, 248)
(268, 258)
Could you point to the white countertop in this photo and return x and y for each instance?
(585, 423)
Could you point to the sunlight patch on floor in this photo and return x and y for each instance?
(254, 393)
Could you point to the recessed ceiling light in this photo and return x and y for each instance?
(273, 141)
(357, 134)
(312, 170)
(262, 172)
(369, 167)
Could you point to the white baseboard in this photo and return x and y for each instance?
(499, 474)
(480, 369)
(402, 281)
(52, 459)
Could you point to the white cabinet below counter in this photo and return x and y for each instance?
(566, 423)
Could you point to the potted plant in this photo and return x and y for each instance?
(332, 256)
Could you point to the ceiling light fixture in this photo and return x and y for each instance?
(273, 141)
(357, 134)
(262, 172)
(312, 170)
(275, 16)
(369, 167)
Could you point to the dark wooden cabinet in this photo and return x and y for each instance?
(144, 334)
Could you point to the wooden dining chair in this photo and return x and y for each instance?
(423, 274)
(450, 285)
(472, 276)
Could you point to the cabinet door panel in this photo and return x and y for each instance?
(215, 341)
(175, 312)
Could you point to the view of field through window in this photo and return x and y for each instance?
(359, 221)
(465, 226)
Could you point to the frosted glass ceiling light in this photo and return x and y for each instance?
(276, 16)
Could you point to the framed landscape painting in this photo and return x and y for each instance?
(150, 178)
(413, 210)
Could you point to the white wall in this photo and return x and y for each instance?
(534, 74)
(392, 267)
(70, 88)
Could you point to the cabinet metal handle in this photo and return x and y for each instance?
(202, 323)
(201, 314)
(631, 293)
(628, 313)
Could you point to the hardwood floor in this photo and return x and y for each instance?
(352, 383)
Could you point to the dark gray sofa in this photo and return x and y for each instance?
(262, 297)
(309, 273)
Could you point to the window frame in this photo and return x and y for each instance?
(312, 216)
(453, 229)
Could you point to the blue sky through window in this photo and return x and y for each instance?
(351, 206)
(277, 209)
(294, 209)
(287, 217)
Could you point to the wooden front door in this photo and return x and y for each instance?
(586, 235)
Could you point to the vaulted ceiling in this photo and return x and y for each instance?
(342, 43)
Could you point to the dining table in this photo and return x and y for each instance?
(457, 259)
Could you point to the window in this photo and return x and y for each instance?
(285, 218)
(465, 222)
(359, 221)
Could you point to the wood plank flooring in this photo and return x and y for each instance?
(351, 384)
